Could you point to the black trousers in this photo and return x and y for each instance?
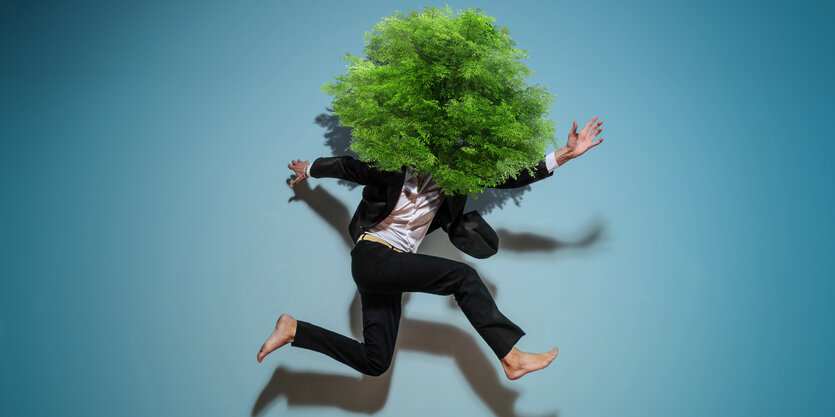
(382, 276)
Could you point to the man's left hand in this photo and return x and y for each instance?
(579, 143)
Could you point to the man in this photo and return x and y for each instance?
(398, 209)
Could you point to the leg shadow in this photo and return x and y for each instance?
(369, 394)
(360, 395)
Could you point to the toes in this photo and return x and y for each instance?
(262, 353)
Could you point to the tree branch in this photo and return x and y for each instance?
(423, 56)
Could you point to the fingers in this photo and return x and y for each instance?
(298, 166)
(595, 129)
(588, 125)
(573, 129)
(292, 166)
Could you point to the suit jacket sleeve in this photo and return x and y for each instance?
(346, 168)
(524, 178)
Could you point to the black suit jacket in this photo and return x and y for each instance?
(467, 231)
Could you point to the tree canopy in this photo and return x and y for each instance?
(443, 93)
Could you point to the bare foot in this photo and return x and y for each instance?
(284, 333)
(518, 363)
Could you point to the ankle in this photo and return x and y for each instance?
(512, 357)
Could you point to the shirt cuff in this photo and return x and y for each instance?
(551, 162)
(307, 171)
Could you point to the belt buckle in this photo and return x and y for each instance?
(373, 238)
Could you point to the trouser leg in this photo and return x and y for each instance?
(381, 318)
(381, 270)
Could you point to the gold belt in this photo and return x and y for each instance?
(366, 236)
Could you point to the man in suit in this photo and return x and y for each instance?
(397, 210)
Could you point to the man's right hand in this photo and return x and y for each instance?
(299, 167)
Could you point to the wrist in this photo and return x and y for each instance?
(563, 155)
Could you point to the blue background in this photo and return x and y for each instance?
(149, 241)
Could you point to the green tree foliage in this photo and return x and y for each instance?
(444, 93)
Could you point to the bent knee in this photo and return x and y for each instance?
(378, 366)
(467, 273)
(376, 372)
(463, 270)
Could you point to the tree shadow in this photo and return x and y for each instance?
(369, 394)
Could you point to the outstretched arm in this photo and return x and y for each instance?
(577, 144)
(342, 167)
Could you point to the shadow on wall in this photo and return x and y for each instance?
(369, 394)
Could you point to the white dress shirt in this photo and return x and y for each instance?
(406, 225)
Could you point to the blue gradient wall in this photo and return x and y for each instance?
(149, 241)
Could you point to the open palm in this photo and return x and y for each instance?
(579, 143)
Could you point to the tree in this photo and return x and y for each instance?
(443, 93)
